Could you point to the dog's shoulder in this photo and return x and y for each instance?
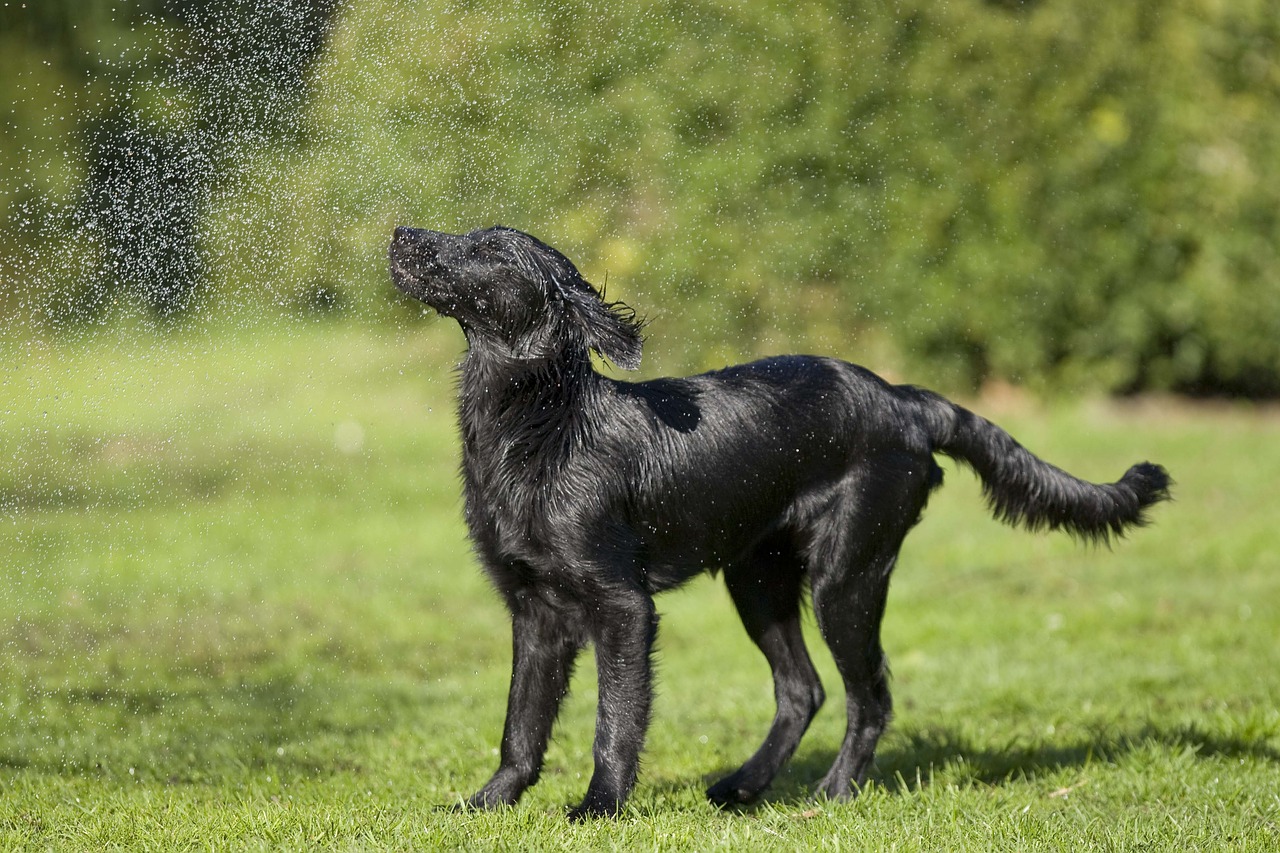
(673, 402)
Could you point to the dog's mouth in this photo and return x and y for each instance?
(405, 277)
(410, 274)
(418, 271)
(423, 286)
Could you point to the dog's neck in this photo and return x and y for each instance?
(522, 420)
(499, 389)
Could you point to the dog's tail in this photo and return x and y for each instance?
(1022, 489)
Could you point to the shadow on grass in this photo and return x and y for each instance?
(204, 732)
(911, 765)
(910, 762)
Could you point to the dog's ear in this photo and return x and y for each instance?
(609, 328)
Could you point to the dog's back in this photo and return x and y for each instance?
(718, 461)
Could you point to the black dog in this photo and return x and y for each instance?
(585, 496)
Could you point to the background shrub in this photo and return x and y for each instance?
(1060, 195)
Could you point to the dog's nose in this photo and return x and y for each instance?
(404, 234)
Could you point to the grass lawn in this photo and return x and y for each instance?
(237, 611)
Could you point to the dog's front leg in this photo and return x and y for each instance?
(624, 626)
(545, 643)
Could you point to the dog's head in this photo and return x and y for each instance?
(507, 288)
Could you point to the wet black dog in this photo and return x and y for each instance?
(585, 496)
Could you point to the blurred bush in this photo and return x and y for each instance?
(1061, 195)
(122, 121)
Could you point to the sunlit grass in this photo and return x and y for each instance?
(237, 610)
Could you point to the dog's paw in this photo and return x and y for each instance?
(595, 808)
(483, 800)
(836, 791)
(732, 791)
(582, 814)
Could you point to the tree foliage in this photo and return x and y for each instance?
(121, 121)
(1057, 194)
(1062, 195)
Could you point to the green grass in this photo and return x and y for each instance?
(237, 610)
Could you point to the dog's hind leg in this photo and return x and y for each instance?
(852, 554)
(849, 611)
(766, 589)
(545, 642)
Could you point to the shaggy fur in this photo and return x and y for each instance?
(585, 496)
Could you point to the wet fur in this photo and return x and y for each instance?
(585, 496)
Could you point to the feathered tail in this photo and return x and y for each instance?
(1022, 489)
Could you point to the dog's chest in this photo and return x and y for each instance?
(516, 491)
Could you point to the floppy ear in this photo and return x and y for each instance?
(609, 328)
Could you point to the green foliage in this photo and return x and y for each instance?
(1060, 195)
(1057, 194)
(63, 63)
(237, 609)
(121, 118)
